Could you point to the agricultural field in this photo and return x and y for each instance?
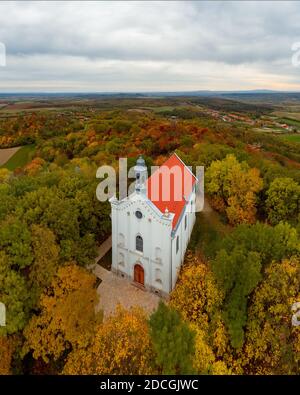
(6, 154)
(13, 158)
(287, 115)
(292, 138)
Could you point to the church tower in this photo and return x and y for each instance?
(141, 175)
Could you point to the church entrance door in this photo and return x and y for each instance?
(139, 274)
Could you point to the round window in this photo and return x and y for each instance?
(138, 214)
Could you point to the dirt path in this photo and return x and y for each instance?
(7, 153)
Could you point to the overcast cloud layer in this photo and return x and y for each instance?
(149, 46)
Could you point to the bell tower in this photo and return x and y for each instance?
(141, 175)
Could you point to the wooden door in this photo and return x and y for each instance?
(139, 274)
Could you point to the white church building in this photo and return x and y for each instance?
(151, 227)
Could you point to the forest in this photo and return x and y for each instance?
(231, 310)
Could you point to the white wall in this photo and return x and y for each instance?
(184, 235)
(156, 233)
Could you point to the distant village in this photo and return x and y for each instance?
(263, 123)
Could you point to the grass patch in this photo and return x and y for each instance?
(295, 138)
(20, 158)
(209, 230)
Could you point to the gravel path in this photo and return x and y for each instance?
(115, 290)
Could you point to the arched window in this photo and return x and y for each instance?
(157, 253)
(177, 244)
(158, 276)
(139, 243)
(121, 242)
(185, 222)
(121, 259)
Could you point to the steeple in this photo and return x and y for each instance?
(141, 175)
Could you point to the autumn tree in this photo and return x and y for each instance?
(283, 200)
(5, 175)
(196, 294)
(34, 166)
(205, 360)
(272, 342)
(121, 345)
(6, 354)
(173, 341)
(67, 319)
(199, 298)
(233, 187)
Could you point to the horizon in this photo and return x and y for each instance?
(140, 92)
(118, 47)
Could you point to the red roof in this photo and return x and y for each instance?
(170, 187)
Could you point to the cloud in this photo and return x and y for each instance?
(118, 46)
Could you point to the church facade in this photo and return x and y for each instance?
(151, 227)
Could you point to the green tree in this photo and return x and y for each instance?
(272, 243)
(15, 295)
(283, 200)
(173, 341)
(238, 273)
(15, 241)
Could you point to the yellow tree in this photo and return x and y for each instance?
(196, 294)
(67, 319)
(233, 187)
(199, 300)
(205, 359)
(121, 346)
(4, 175)
(272, 342)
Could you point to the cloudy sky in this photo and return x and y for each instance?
(149, 46)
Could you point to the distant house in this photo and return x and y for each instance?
(151, 228)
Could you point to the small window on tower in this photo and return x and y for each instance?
(177, 244)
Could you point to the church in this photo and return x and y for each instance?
(151, 227)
